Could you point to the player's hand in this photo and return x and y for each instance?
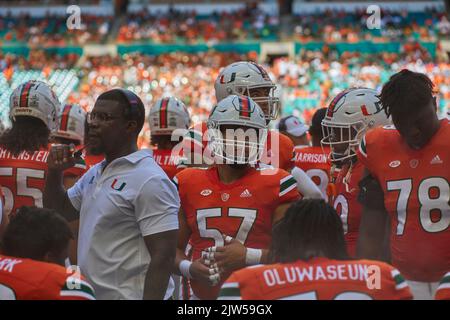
(201, 272)
(60, 157)
(230, 257)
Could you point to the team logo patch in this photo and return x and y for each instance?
(206, 192)
(116, 187)
(394, 164)
(414, 163)
(225, 197)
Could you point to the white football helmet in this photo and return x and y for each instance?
(240, 77)
(168, 114)
(349, 115)
(35, 99)
(71, 122)
(237, 143)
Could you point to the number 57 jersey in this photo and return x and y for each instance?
(416, 195)
(243, 209)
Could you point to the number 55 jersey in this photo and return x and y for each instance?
(23, 178)
(416, 195)
(243, 209)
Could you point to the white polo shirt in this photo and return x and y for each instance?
(131, 199)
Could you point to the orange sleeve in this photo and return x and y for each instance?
(287, 188)
(286, 153)
(443, 291)
(73, 287)
(230, 290)
(396, 287)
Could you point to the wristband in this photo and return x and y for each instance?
(253, 256)
(184, 268)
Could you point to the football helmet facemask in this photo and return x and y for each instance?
(237, 131)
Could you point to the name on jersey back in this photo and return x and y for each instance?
(39, 156)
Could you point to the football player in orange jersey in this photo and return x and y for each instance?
(70, 131)
(34, 248)
(350, 114)
(168, 121)
(443, 291)
(231, 198)
(250, 79)
(408, 186)
(313, 161)
(24, 147)
(310, 262)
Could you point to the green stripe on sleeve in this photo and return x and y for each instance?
(286, 184)
(230, 292)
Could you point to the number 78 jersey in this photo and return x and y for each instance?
(417, 197)
(243, 209)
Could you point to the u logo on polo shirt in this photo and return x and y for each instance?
(113, 185)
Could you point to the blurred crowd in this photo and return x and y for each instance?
(340, 26)
(307, 82)
(175, 26)
(313, 77)
(36, 60)
(187, 76)
(241, 25)
(53, 31)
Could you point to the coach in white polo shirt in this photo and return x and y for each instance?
(126, 205)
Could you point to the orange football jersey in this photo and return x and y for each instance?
(91, 160)
(314, 161)
(77, 170)
(26, 279)
(416, 195)
(317, 279)
(345, 201)
(443, 291)
(168, 161)
(242, 209)
(279, 151)
(23, 178)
